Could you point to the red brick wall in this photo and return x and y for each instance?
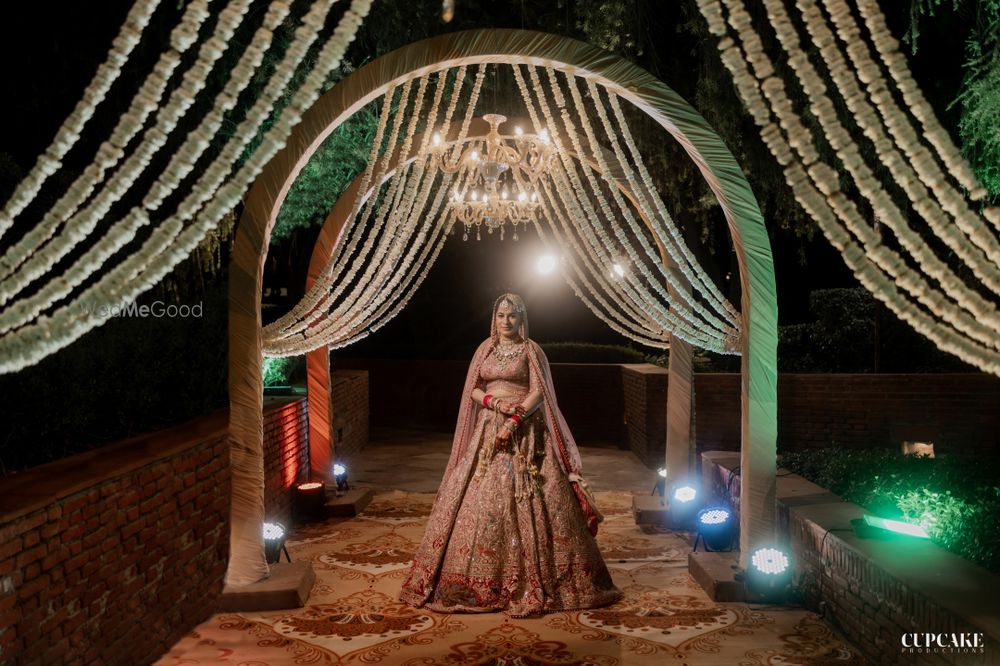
(717, 411)
(349, 398)
(426, 394)
(286, 454)
(958, 412)
(111, 556)
(645, 411)
(592, 399)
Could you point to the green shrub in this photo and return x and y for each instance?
(284, 371)
(955, 498)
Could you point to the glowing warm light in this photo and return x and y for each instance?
(273, 531)
(619, 270)
(534, 196)
(713, 516)
(918, 449)
(474, 155)
(518, 131)
(312, 485)
(546, 264)
(436, 139)
(769, 561)
(339, 470)
(503, 195)
(544, 136)
(662, 472)
(522, 197)
(475, 195)
(685, 494)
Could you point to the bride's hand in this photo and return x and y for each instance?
(503, 435)
(506, 408)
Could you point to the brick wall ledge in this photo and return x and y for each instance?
(914, 581)
(24, 492)
(27, 491)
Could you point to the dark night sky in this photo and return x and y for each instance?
(51, 51)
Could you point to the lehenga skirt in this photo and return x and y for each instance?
(519, 542)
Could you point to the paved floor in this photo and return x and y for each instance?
(353, 615)
(414, 461)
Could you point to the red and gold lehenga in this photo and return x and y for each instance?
(509, 530)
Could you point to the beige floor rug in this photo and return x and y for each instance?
(353, 616)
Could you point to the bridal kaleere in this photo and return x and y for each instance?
(513, 526)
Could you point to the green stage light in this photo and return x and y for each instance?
(897, 526)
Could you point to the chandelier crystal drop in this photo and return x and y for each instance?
(501, 177)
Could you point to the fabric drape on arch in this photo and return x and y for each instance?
(757, 318)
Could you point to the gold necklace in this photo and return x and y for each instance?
(507, 352)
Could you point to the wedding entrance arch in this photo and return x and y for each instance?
(757, 340)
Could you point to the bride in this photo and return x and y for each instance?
(513, 524)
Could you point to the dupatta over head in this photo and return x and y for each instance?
(460, 467)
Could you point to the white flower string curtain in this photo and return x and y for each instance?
(951, 301)
(329, 315)
(43, 311)
(398, 222)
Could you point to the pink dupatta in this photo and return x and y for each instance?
(458, 473)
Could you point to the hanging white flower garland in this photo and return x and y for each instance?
(170, 243)
(69, 133)
(826, 207)
(108, 155)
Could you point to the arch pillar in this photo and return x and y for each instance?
(706, 150)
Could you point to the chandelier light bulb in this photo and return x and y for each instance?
(534, 196)
(619, 270)
(474, 155)
(436, 139)
(522, 196)
(546, 264)
(503, 195)
(475, 195)
(544, 136)
(518, 131)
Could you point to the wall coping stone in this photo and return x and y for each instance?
(24, 492)
(36, 488)
(967, 590)
(643, 368)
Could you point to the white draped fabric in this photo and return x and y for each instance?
(600, 208)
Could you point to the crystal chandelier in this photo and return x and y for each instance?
(502, 176)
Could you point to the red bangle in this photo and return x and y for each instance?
(486, 399)
(515, 418)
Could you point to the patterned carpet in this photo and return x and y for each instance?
(353, 616)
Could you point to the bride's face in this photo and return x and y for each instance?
(508, 320)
